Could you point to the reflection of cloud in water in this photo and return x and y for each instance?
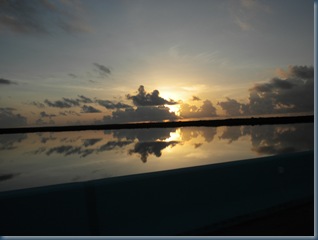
(147, 148)
(188, 133)
(274, 139)
(232, 133)
(8, 176)
(112, 145)
(143, 135)
(8, 141)
(91, 141)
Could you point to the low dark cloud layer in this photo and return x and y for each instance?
(142, 98)
(292, 92)
(140, 114)
(194, 98)
(41, 16)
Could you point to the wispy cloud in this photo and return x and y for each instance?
(244, 13)
(42, 16)
(102, 70)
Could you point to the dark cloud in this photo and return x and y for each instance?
(91, 141)
(44, 114)
(41, 16)
(89, 109)
(292, 93)
(140, 114)
(72, 75)
(112, 145)
(10, 119)
(6, 82)
(84, 99)
(190, 111)
(232, 107)
(69, 112)
(194, 98)
(103, 70)
(144, 149)
(9, 176)
(148, 99)
(58, 104)
(37, 104)
(111, 105)
(64, 103)
(8, 142)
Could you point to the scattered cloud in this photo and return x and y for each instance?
(89, 109)
(103, 70)
(4, 81)
(111, 105)
(44, 114)
(42, 16)
(37, 104)
(84, 99)
(142, 98)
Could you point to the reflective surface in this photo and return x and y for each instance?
(39, 159)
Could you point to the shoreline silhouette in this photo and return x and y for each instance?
(199, 123)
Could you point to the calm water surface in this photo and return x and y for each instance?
(39, 159)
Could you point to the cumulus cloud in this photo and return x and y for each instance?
(140, 114)
(10, 119)
(232, 107)
(190, 111)
(4, 81)
(103, 70)
(42, 16)
(142, 98)
(292, 93)
(89, 109)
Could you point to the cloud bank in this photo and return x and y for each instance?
(291, 92)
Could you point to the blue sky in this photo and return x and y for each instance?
(208, 58)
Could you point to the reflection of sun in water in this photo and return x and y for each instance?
(174, 136)
(174, 108)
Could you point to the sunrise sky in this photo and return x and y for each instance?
(67, 62)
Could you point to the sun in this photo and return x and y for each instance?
(174, 109)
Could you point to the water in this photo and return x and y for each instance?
(40, 159)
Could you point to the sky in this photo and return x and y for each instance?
(67, 62)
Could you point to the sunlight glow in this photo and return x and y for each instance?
(174, 108)
(174, 136)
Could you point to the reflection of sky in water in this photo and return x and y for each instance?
(39, 159)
